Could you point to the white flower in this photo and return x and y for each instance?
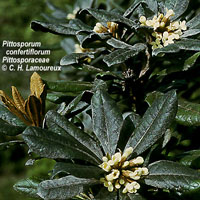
(121, 172)
(127, 153)
(165, 31)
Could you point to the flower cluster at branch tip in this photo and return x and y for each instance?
(112, 28)
(165, 31)
(123, 172)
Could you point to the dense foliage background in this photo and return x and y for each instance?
(15, 19)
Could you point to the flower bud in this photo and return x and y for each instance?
(136, 161)
(127, 153)
(142, 19)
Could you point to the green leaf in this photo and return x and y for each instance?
(104, 194)
(79, 25)
(178, 6)
(10, 118)
(171, 175)
(129, 196)
(120, 55)
(129, 123)
(107, 120)
(191, 61)
(60, 97)
(188, 113)
(190, 32)
(151, 4)
(53, 28)
(27, 187)
(89, 40)
(154, 123)
(110, 16)
(118, 43)
(189, 158)
(68, 86)
(194, 22)
(171, 48)
(48, 144)
(60, 125)
(189, 44)
(73, 104)
(80, 171)
(63, 188)
(74, 58)
(10, 130)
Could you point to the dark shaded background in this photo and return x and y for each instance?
(15, 18)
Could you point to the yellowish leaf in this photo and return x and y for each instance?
(36, 85)
(18, 99)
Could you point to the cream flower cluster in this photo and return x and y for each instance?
(112, 28)
(123, 172)
(165, 31)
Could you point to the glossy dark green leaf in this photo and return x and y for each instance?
(107, 120)
(109, 16)
(52, 145)
(74, 58)
(10, 118)
(60, 125)
(68, 86)
(191, 61)
(118, 44)
(190, 32)
(189, 158)
(104, 194)
(129, 196)
(171, 175)
(10, 130)
(152, 5)
(120, 55)
(79, 25)
(80, 171)
(178, 6)
(154, 123)
(59, 29)
(129, 123)
(89, 40)
(85, 96)
(189, 44)
(188, 113)
(60, 97)
(171, 48)
(63, 188)
(194, 22)
(27, 187)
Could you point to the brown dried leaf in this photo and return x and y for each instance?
(18, 99)
(33, 109)
(36, 85)
(9, 103)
